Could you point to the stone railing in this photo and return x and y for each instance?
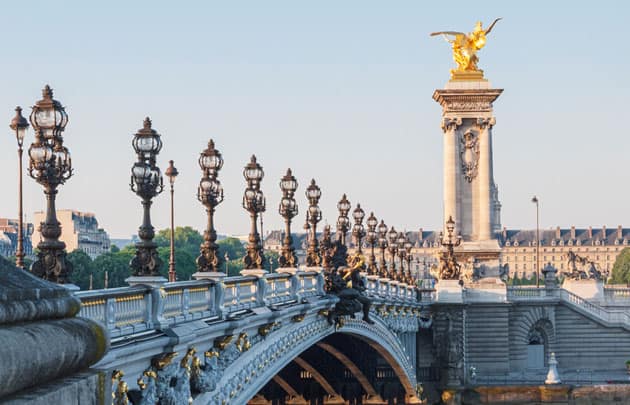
(517, 293)
(131, 310)
(614, 294)
(611, 318)
(387, 289)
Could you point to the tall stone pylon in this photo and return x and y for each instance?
(470, 193)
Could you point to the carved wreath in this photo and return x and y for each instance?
(469, 155)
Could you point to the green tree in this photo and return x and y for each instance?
(233, 247)
(116, 265)
(27, 261)
(271, 260)
(185, 265)
(82, 268)
(621, 269)
(114, 249)
(186, 239)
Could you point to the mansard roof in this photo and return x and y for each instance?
(566, 236)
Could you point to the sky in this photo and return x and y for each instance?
(338, 91)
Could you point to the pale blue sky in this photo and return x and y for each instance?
(338, 91)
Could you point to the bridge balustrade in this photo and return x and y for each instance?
(130, 310)
(123, 311)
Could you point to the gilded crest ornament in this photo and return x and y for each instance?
(469, 155)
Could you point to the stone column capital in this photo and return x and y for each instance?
(450, 123)
(486, 123)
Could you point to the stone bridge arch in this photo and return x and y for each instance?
(267, 357)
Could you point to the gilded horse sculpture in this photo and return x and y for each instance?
(465, 46)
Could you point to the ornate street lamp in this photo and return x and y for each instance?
(382, 244)
(210, 194)
(171, 172)
(254, 203)
(401, 256)
(343, 222)
(449, 268)
(372, 238)
(340, 255)
(288, 209)
(146, 182)
(392, 245)
(50, 165)
(19, 125)
(313, 216)
(358, 230)
(326, 248)
(409, 256)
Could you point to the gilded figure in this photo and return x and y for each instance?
(465, 46)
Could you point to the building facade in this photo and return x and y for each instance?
(518, 248)
(79, 230)
(9, 236)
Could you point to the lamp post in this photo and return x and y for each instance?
(372, 238)
(401, 255)
(210, 194)
(343, 222)
(313, 216)
(358, 230)
(226, 256)
(340, 255)
(19, 125)
(409, 256)
(146, 182)
(382, 244)
(50, 165)
(392, 244)
(535, 201)
(172, 173)
(254, 203)
(449, 268)
(288, 210)
(326, 248)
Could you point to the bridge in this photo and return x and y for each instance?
(224, 341)
(269, 339)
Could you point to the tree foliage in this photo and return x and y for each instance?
(621, 269)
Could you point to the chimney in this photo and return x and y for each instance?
(590, 232)
(572, 231)
(504, 233)
(604, 236)
(420, 235)
(619, 232)
(558, 232)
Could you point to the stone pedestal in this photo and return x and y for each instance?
(287, 270)
(449, 292)
(72, 287)
(590, 290)
(254, 272)
(209, 275)
(316, 269)
(152, 281)
(489, 289)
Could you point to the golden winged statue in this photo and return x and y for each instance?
(465, 46)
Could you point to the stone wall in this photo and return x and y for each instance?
(487, 343)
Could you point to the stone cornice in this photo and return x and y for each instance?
(466, 100)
